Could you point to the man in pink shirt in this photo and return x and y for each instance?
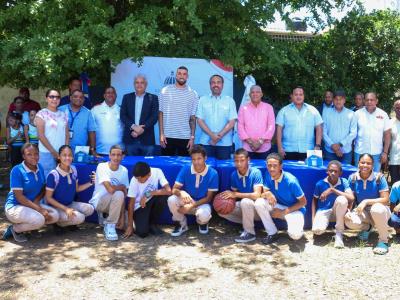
(256, 125)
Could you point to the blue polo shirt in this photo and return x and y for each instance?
(395, 193)
(197, 184)
(246, 183)
(298, 127)
(322, 185)
(286, 189)
(64, 192)
(31, 183)
(80, 123)
(367, 189)
(216, 112)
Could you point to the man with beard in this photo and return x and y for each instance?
(176, 117)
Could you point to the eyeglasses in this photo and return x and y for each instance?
(53, 97)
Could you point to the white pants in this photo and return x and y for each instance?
(26, 219)
(82, 210)
(336, 213)
(294, 220)
(244, 213)
(202, 212)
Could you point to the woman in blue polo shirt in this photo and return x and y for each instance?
(371, 193)
(61, 188)
(22, 206)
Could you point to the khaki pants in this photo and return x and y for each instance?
(336, 213)
(26, 219)
(244, 213)
(82, 210)
(111, 204)
(202, 212)
(294, 220)
(376, 215)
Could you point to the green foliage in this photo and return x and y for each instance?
(42, 43)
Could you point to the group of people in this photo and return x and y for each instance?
(360, 202)
(110, 129)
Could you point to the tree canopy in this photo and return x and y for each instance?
(42, 43)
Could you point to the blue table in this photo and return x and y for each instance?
(307, 176)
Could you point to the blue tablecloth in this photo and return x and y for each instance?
(307, 176)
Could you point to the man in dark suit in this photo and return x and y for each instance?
(139, 113)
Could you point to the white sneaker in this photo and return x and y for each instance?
(110, 233)
(179, 229)
(339, 241)
(203, 229)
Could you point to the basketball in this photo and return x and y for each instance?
(223, 206)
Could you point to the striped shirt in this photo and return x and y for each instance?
(177, 106)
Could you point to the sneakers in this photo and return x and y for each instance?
(245, 237)
(18, 237)
(339, 241)
(110, 233)
(203, 229)
(270, 239)
(179, 229)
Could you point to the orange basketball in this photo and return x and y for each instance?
(223, 206)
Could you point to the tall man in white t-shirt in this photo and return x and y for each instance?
(176, 117)
(148, 193)
(109, 126)
(111, 188)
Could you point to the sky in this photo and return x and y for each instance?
(369, 5)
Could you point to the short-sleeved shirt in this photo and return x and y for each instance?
(216, 112)
(80, 123)
(394, 158)
(65, 190)
(395, 193)
(55, 124)
(367, 189)
(196, 184)
(29, 182)
(109, 127)
(322, 185)
(137, 190)
(33, 135)
(177, 106)
(105, 174)
(247, 182)
(286, 189)
(298, 127)
(370, 129)
(18, 142)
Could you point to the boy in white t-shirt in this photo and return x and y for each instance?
(148, 193)
(110, 190)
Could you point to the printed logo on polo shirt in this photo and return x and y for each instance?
(150, 188)
(114, 181)
(379, 117)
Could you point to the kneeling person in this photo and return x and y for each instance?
(395, 207)
(194, 188)
(247, 186)
(283, 199)
(332, 196)
(146, 200)
(61, 188)
(110, 190)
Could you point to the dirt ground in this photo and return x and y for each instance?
(83, 265)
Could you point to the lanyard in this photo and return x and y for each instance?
(72, 117)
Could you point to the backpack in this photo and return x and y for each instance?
(57, 175)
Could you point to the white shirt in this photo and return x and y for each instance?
(395, 145)
(137, 189)
(109, 127)
(54, 128)
(370, 129)
(103, 174)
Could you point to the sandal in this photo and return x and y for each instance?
(381, 248)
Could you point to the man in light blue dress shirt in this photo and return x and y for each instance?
(216, 116)
(299, 128)
(339, 131)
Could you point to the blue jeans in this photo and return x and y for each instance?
(47, 161)
(219, 152)
(346, 158)
(377, 161)
(139, 150)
